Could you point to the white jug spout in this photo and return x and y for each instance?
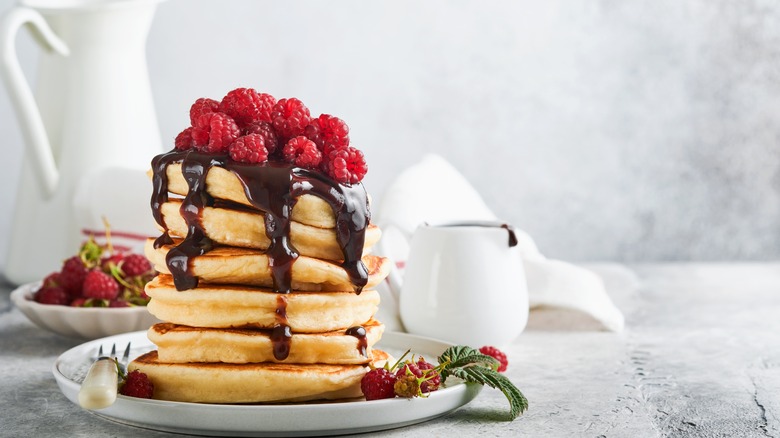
(21, 95)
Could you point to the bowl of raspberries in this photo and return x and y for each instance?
(98, 292)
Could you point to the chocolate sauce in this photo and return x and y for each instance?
(512, 236)
(360, 333)
(272, 188)
(281, 338)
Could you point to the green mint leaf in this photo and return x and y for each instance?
(460, 356)
(487, 376)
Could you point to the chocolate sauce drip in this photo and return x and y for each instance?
(512, 235)
(281, 338)
(274, 189)
(194, 168)
(360, 333)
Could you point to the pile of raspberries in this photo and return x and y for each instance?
(254, 127)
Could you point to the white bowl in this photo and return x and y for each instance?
(81, 322)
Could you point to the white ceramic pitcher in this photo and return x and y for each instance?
(464, 283)
(90, 128)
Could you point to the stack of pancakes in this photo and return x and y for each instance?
(261, 304)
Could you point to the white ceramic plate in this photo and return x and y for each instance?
(304, 419)
(80, 322)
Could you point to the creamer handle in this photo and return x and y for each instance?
(19, 90)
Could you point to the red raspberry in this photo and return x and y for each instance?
(137, 384)
(428, 378)
(378, 384)
(249, 149)
(72, 275)
(347, 166)
(302, 152)
(51, 280)
(202, 106)
(245, 106)
(184, 140)
(52, 295)
(100, 285)
(328, 133)
(213, 132)
(496, 354)
(266, 130)
(135, 264)
(79, 302)
(290, 117)
(118, 303)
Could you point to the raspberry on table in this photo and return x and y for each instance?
(378, 383)
(496, 354)
(290, 117)
(249, 149)
(302, 152)
(246, 106)
(214, 132)
(347, 166)
(137, 384)
(184, 140)
(99, 285)
(72, 275)
(328, 133)
(52, 295)
(265, 130)
(135, 264)
(202, 106)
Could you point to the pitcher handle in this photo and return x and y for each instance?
(19, 90)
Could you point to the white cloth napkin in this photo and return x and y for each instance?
(434, 191)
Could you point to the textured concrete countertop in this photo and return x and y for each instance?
(700, 356)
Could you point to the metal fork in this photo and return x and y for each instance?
(99, 388)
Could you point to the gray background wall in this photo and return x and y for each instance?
(609, 130)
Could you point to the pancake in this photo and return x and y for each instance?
(252, 383)
(224, 184)
(246, 229)
(181, 344)
(231, 265)
(225, 306)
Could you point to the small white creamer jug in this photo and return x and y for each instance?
(464, 283)
(90, 127)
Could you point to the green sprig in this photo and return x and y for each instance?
(474, 367)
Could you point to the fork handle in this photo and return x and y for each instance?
(99, 388)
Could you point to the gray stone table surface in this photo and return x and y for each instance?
(700, 356)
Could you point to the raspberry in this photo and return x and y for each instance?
(72, 275)
(51, 280)
(249, 149)
(347, 166)
(137, 384)
(266, 130)
(202, 106)
(118, 303)
(290, 117)
(328, 133)
(378, 384)
(184, 140)
(496, 354)
(116, 259)
(135, 264)
(428, 378)
(407, 385)
(246, 106)
(79, 302)
(100, 285)
(433, 379)
(302, 152)
(52, 295)
(213, 132)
